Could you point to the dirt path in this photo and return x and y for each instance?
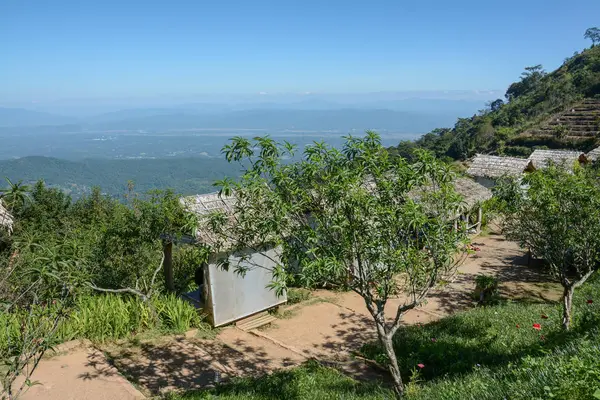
(82, 373)
(331, 330)
(329, 327)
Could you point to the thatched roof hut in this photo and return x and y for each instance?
(6, 220)
(594, 154)
(566, 158)
(486, 166)
(204, 204)
(472, 192)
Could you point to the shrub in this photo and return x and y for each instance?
(106, 317)
(486, 289)
(297, 295)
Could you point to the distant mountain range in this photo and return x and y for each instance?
(344, 120)
(21, 117)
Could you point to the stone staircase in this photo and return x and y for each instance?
(581, 121)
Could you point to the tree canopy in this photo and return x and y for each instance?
(593, 34)
(557, 216)
(354, 218)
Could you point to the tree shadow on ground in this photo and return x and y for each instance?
(181, 363)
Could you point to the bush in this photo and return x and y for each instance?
(297, 295)
(486, 289)
(106, 317)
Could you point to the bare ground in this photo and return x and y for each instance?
(329, 327)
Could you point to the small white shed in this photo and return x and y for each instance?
(227, 294)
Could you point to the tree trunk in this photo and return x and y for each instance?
(567, 303)
(388, 345)
(168, 265)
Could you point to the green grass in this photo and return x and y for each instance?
(487, 353)
(108, 317)
(310, 381)
(297, 295)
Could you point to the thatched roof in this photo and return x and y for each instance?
(6, 220)
(566, 158)
(594, 154)
(204, 204)
(472, 192)
(487, 166)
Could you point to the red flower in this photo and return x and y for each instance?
(421, 366)
(537, 326)
(590, 301)
(544, 316)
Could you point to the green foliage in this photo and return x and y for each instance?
(531, 100)
(593, 34)
(311, 381)
(353, 218)
(103, 317)
(486, 353)
(558, 218)
(176, 315)
(486, 289)
(297, 295)
(96, 239)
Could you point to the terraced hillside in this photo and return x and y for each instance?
(581, 121)
(542, 110)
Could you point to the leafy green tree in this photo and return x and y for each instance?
(558, 218)
(593, 34)
(495, 105)
(15, 195)
(354, 218)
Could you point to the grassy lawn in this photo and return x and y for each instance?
(485, 353)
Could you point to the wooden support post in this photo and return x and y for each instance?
(479, 219)
(168, 265)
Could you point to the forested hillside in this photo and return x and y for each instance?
(509, 126)
(183, 175)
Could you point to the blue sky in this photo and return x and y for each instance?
(110, 49)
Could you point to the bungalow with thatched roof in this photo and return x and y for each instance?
(485, 169)
(6, 220)
(473, 194)
(593, 155)
(566, 158)
(226, 295)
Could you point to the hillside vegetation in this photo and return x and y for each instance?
(523, 121)
(185, 176)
